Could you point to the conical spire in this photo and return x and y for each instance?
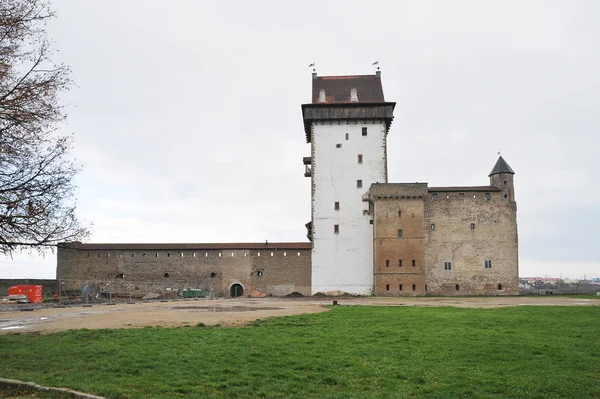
(501, 167)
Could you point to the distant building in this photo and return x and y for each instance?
(367, 236)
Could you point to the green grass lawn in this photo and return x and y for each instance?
(349, 352)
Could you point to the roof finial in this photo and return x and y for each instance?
(499, 151)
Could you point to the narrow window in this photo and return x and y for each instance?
(258, 253)
(206, 254)
(387, 287)
(472, 226)
(132, 255)
(499, 286)
(108, 255)
(194, 255)
(399, 214)
(143, 255)
(488, 264)
(387, 263)
(220, 254)
(447, 265)
(336, 206)
(432, 226)
(414, 263)
(156, 254)
(213, 275)
(285, 254)
(461, 196)
(505, 195)
(166, 275)
(181, 255)
(347, 136)
(359, 184)
(338, 145)
(425, 287)
(488, 196)
(505, 182)
(259, 273)
(298, 253)
(336, 228)
(271, 253)
(120, 275)
(364, 131)
(434, 196)
(457, 287)
(232, 254)
(400, 263)
(360, 158)
(399, 233)
(168, 254)
(414, 287)
(400, 287)
(447, 196)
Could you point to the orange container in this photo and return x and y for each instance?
(34, 295)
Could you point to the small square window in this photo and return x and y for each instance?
(432, 226)
(488, 196)
(336, 228)
(414, 263)
(399, 233)
(488, 264)
(457, 287)
(400, 263)
(434, 196)
(336, 206)
(472, 226)
(399, 214)
(359, 184)
(338, 145)
(387, 287)
(414, 287)
(364, 131)
(461, 196)
(387, 263)
(371, 221)
(347, 136)
(360, 158)
(447, 265)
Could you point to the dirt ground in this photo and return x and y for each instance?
(228, 312)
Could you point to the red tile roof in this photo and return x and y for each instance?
(338, 89)
(462, 189)
(188, 246)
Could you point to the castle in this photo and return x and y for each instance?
(367, 236)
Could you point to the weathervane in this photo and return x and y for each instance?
(499, 151)
(376, 63)
(313, 66)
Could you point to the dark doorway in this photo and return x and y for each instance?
(236, 290)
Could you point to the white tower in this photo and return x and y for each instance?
(346, 124)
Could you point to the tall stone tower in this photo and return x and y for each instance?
(346, 124)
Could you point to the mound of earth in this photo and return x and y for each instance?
(294, 294)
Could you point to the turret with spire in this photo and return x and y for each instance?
(501, 176)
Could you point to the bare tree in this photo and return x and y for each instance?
(37, 204)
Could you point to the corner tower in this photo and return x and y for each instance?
(501, 176)
(346, 124)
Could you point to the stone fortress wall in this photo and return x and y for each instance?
(260, 269)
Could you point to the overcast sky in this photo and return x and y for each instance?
(188, 124)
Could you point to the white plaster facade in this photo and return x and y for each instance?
(343, 260)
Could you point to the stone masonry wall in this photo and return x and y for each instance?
(272, 271)
(467, 229)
